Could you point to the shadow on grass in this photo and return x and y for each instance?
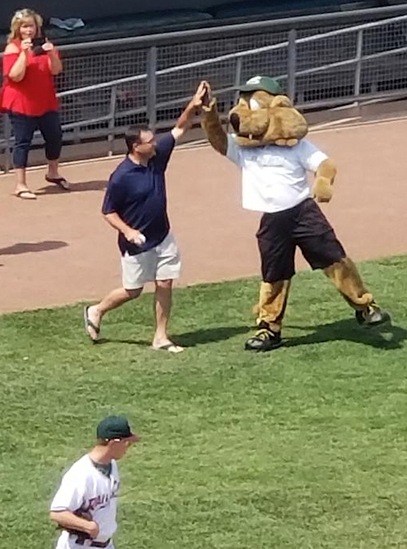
(189, 339)
(210, 335)
(387, 337)
(384, 337)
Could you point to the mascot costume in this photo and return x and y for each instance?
(268, 145)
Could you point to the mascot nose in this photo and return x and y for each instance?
(235, 121)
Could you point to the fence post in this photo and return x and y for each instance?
(112, 119)
(238, 78)
(358, 67)
(152, 87)
(291, 64)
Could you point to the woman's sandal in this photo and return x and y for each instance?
(26, 195)
(60, 181)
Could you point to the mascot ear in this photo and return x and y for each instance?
(281, 101)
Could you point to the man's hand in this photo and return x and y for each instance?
(89, 530)
(195, 105)
(201, 95)
(135, 237)
(93, 529)
(79, 523)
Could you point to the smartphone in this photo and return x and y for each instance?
(37, 43)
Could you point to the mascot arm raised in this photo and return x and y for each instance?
(324, 178)
(212, 125)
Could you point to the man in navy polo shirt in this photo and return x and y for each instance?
(135, 204)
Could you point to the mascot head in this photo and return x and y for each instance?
(263, 115)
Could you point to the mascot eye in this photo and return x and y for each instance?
(254, 105)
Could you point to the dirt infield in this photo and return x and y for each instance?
(58, 249)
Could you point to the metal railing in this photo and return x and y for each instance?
(334, 67)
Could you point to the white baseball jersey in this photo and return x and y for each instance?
(86, 488)
(275, 178)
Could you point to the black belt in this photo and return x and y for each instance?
(81, 541)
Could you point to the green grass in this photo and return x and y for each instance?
(304, 447)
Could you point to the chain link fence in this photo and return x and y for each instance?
(108, 85)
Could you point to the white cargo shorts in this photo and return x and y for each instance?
(160, 263)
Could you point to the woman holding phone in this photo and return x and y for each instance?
(30, 63)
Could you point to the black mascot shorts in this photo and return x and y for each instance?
(304, 226)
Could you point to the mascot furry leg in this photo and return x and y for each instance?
(273, 301)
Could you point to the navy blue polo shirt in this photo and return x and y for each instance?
(138, 195)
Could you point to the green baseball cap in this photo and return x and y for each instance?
(113, 427)
(265, 83)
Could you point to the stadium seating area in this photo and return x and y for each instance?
(123, 18)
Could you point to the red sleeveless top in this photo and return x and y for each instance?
(35, 94)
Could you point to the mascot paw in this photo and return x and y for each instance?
(322, 189)
(209, 107)
(281, 101)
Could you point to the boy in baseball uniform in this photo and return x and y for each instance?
(84, 506)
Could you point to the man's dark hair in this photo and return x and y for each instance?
(132, 135)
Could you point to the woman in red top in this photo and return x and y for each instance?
(29, 96)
